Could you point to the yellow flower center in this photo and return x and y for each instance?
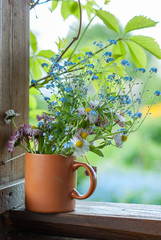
(33, 127)
(79, 144)
(124, 138)
(84, 135)
(87, 110)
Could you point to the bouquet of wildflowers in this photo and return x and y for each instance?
(90, 106)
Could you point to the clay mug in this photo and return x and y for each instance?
(50, 182)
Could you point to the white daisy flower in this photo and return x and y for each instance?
(81, 146)
(82, 133)
(119, 139)
(9, 115)
(120, 117)
(93, 104)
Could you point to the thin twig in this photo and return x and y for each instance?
(41, 79)
(75, 38)
(80, 38)
(36, 3)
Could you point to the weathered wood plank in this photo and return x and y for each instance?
(14, 74)
(93, 220)
(12, 195)
(32, 236)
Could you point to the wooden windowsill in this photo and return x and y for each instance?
(93, 220)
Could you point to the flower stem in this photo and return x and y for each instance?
(87, 160)
(14, 124)
(34, 144)
(23, 147)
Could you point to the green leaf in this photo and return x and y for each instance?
(33, 42)
(32, 102)
(68, 8)
(96, 150)
(119, 49)
(46, 54)
(65, 10)
(101, 112)
(148, 43)
(54, 5)
(61, 44)
(35, 69)
(89, 8)
(41, 61)
(129, 123)
(35, 112)
(109, 20)
(139, 22)
(137, 53)
(34, 91)
(74, 9)
(91, 138)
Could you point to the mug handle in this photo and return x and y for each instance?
(93, 180)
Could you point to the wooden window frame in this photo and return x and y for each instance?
(14, 93)
(91, 219)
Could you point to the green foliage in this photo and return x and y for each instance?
(61, 43)
(137, 44)
(148, 43)
(36, 72)
(119, 49)
(33, 42)
(137, 53)
(139, 22)
(54, 5)
(38, 58)
(109, 20)
(47, 54)
(96, 151)
(32, 102)
(69, 8)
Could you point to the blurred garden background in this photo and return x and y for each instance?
(131, 174)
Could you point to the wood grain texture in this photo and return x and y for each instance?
(12, 195)
(93, 220)
(32, 236)
(14, 75)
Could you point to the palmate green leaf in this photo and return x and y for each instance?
(33, 42)
(139, 22)
(54, 5)
(109, 20)
(148, 43)
(137, 53)
(118, 49)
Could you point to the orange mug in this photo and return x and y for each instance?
(50, 182)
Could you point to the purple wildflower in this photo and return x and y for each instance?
(94, 168)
